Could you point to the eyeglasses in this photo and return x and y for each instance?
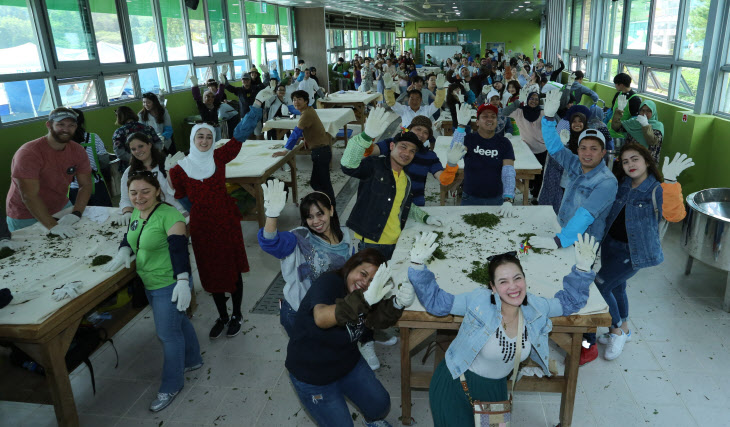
(143, 173)
(511, 254)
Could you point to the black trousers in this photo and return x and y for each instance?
(536, 183)
(321, 158)
(99, 198)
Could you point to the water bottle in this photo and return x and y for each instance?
(33, 367)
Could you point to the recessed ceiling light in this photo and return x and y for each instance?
(528, 9)
(520, 6)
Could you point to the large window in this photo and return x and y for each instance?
(25, 99)
(217, 26)
(17, 40)
(664, 27)
(106, 29)
(71, 32)
(173, 25)
(693, 43)
(614, 19)
(198, 32)
(260, 19)
(144, 31)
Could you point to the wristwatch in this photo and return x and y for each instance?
(509, 199)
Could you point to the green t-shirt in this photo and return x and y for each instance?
(153, 257)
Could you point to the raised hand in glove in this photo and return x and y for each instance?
(423, 248)
(264, 95)
(123, 258)
(621, 102)
(486, 89)
(377, 122)
(679, 163)
(571, 80)
(455, 154)
(585, 251)
(68, 220)
(524, 93)
(387, 82)
(406, 295)
(463, 114)
(193, 81)
(564, 135)
(642, 120)
(506, 210)
(434, 220)
(63, 231)
(284, 110)
(378, 288)
(181, 292)
(69, 290)
(441, 82)
(274, 197)
(224, 69)
(552, 103)
(171, 160)
(222, 77)
(264, 69)
(541, 242)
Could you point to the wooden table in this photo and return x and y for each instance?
(526, 165)
(543, 272)
(355, 100)
(333, 119)
(254, 165)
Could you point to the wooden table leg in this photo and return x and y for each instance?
(345, 129)
(260, 211)
(51, 355)
(405, 375)
(572, 360)
(295, 193)
(525, 192)
(442, 196)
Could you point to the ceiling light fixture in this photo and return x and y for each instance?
(528, 9)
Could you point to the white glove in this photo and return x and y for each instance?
(486, 89)
(434, 220)
(460, 97)
(531, 371)
(571, 80)
(541, 242)
(552, 103)
(193, 81)
(387, 82)
(463, 114)
(564, 136)
(272, 84)
(63, 231)
(69, 290)
(264, 69)
(181, 292)
(123, 258)
(506, 210)
(642, 120)
(406, 295)
(274, 197)
(521, 64)
(303, 67)
(621, 102)
(455, 154)
(264, 95)
(441, 82)
(423, 247)
(224, 69)
(171, 160)
(7, 243)
(585, 251)
(377, 122)
(679, 163)
(68, 220)
(24, 296)
(524, 93)
(222, 77)
(123, 218)
(273, 65)
(284, 110)
(378, 288)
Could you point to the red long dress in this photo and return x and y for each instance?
(215, 223)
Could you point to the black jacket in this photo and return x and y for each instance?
(375, 197)
(246, 97)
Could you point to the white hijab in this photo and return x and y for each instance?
(198, 164)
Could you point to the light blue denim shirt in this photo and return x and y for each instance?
(588, 196)
(579, 90)
(482, 317)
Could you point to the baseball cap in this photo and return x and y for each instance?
(484, 107)
(593, 133)
(246, 76)
(61, 113)
(410, 137)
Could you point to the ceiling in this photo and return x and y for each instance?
(413, 10)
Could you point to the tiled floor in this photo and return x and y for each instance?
(673, 373)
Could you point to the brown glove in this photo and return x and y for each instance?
(348, 309)
(383, 315)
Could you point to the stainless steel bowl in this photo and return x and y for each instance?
(706, 229)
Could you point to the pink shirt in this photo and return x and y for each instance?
(54, 169)
(530, 132)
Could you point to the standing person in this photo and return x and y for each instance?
(322, 357)
(384, 197)
(632, 241)
(278, 106)
(644, 129)
(99, 161)
(499, 323)
(215, 221)
(129, 124)
(246, 93)
(154, 115)
(310, 86)
(208, 105)
(357, 69)
(310, 127)
(340, 74)
(591, 188)
(489, 164)
(156, 236)
(317, 246)
(41, 172)
(622, 82)
(368, 74)
(145, 157)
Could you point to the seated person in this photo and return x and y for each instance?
(644, 129)
(129, 124)
(622, 82)
(99, 161)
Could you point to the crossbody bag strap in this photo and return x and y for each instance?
(653, 201)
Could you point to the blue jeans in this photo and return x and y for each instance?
(287, 316)
(17, 224)
(468, 200)
(386, 250)
(327, 405)
(179, 342)
(616, 269)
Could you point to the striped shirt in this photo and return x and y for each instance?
(424, 162)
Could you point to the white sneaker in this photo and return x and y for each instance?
(390, 341)
(368, 352)
(615, 345)
(603, 339)
(286, 167)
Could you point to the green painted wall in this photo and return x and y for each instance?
(492, 31)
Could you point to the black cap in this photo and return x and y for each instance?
(410, 137)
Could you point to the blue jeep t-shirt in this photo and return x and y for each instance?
(483, 164)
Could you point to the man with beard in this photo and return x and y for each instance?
(41, 172)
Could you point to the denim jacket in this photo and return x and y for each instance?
(482, 317)
(579, 90)
(642, 227)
